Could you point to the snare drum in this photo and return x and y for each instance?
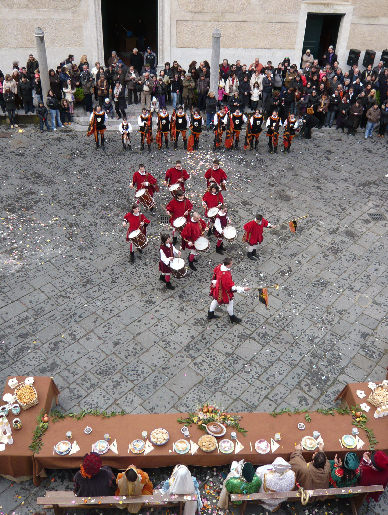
(229, 232)
(138, 238)
(145, 198)
(212, 212)
(179, 223)
(201, 244)
(174, 187)
(178, 268)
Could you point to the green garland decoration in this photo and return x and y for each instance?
(56, 415)
(40, 430)
(209, 413)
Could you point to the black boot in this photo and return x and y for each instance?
(250, 256)
(236, 144)
(185, 144)
(162, 278)
(142, 146)
(149, 148)
(102, 142)
(254, 253)
(256, 143)
(132, 257)
(270, 149)
(175, 144)
(174, 240)
(169, 286)
(211, 314)
(275, 149)
(192, 266)
(97, 145)
(166, 143)
(234, 319)
(219, 250)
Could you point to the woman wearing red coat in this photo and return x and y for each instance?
(178, 207)
(194, 228)
(254, 234)
(222, 290)
(142, 179)
(135, 220)
(374, 471)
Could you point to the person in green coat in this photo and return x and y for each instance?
(247, 483)
(346, 473)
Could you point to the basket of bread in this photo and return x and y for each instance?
(379, 397)
(26, 395)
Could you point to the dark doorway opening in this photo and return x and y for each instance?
(127, 25)
(321, 32)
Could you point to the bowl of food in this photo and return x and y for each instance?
(182, 446)
(309, 443)
(159, 436)
(137, 446)
(207, 443)
(62, 448)
(216, 429)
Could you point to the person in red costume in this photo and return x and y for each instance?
(221, 221)
(222, 290)
(254, 234)
(167, 253)
(217, 175)
(194, 228)
(142, 179)
(374, 471)
(177, 207)
(176, 175)
(135, 220)
(212, 198)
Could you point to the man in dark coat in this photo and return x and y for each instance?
(136, 60)
(25, 92)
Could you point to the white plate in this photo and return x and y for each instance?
(262, 446)
(182, 446)
(101, 447)
(62, 448)
(306, 441)
(226, 446)
(217, 435)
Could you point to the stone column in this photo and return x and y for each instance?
(42, 59)
(215, 61)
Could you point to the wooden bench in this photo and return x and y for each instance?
(359, 494)
(58, 501)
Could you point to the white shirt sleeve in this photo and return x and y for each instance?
(244, 118)
(215, 119)
(121, 128)
(129, 127)
(238, 289)
(268, 122)
(164, 258)
(296, 125)
(217, 225)
(91, 116)
(140, 122)
(175, 251)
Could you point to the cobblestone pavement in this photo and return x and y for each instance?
(73, 307)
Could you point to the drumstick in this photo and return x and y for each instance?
(275, 286)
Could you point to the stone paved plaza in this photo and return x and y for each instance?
(73, 307)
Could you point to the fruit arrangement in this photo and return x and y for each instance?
(209, 413)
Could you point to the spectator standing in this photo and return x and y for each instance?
(119, 100)
(373, 117)
(53, 106)
(203, 85)
(150, 59)
(102, 89)
(307, 58)
(10, 106)
(176, 88)
(131, 79)
(267, 91)
(245, 93)
(25, 93)
(65, 113)
(136, 60)
(69, 91)
(2, 103)
(32, 66)
(147, 85)
(188, 91)
(383, 119)
(88, 89)
(42, 113)
(211, 108)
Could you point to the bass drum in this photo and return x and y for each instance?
(178, 268)
(138, 238)
(230, 232)
(201, 244)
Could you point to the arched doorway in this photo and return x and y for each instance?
(127, 25)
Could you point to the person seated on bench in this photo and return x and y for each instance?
(182, 482)
(313, 475)
(246, 483)
(134, 482)
(94, 479)
(277, 477)
(346, 473)
(374, 471)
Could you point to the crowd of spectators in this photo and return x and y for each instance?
(346, 99)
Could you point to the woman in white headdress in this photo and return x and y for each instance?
(182, 482)
(277, 477)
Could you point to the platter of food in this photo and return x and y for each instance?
(349, 441)
(159, 436)
(137, 446)
(182, 446)
(226, 446)
(207, 443)
(26, 396)
(309, 443)
(63, 447)
(100, 447)
(216, 429)
(262, 446)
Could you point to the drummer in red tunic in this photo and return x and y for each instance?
(194, 228)
(217, 175)
(220, 223)
(135, 220)
(142, 179)
(212, 199)
(176, 176)
(167, 254)
(254, 234)
(222, 290)
(180, 206)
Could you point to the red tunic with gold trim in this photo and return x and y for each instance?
(178, 208)
(173, 175)
(218, 176)
(135, 221)
(191, 232)
(212, 200)
(138, 179)
(254, 231)
(222, 290)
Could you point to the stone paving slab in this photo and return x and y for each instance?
(73, 307)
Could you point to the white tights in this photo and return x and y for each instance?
(229, 306)
(252, 247)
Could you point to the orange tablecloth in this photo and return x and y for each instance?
(128, 427)
(16, 460)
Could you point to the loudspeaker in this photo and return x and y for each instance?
(369, 58)
(384, 57)
(354, 56)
